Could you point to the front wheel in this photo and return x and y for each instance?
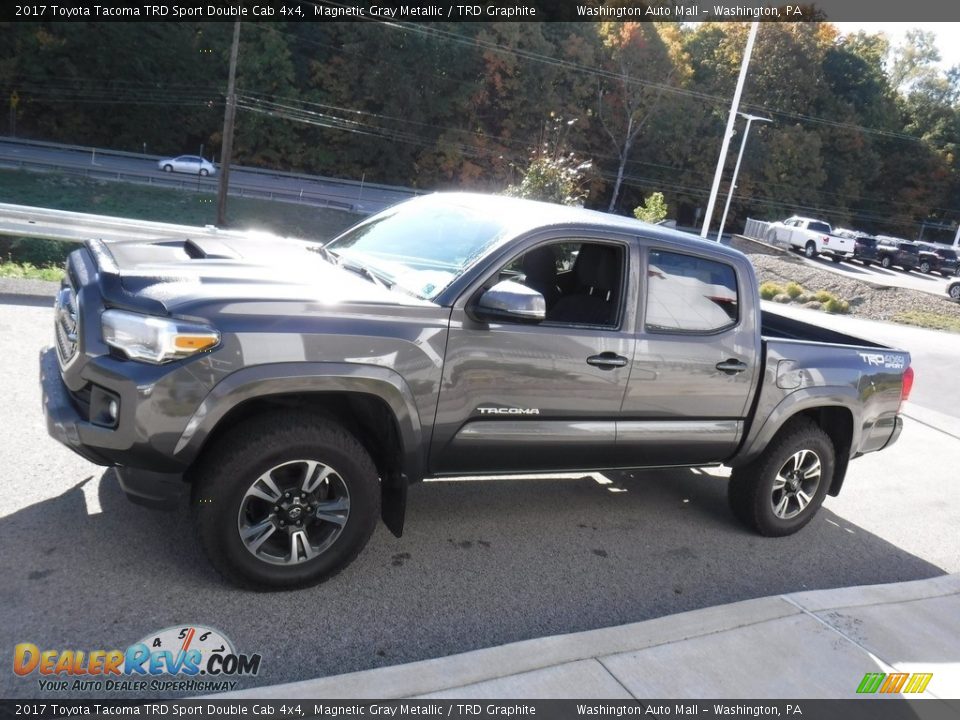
(925, 267)
(285, 501)
(885, 263)
(204, 172)
(780, 492)
(954, 291)
(837, 258)
(866, 263)
(168, 168)
(810, 250)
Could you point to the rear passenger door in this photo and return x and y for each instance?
(695, 363)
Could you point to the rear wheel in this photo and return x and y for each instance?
(837, 258)
(866, 263)
(810, 249)
(954, 291)
(885, 263)
(285, 501)
(780, 492)
(925, 267)
(168, 168)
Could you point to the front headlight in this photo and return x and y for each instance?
(153, 339)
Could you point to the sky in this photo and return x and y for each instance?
(948, 35)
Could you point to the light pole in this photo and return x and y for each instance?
(736, 168)
(728, 133)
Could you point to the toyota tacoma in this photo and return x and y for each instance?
(296, 390)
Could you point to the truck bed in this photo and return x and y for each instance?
(780, 327)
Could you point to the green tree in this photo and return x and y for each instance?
(554, 174)
(653, 210)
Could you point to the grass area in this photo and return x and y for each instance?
(930, 320)
(30, 272)
(185, 207)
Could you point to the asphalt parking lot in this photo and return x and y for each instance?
(482, 562)
(933, 283)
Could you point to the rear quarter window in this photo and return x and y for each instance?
(688, 294)
(819, 227)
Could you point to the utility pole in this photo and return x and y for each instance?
(736, 169)
(734, 106)
(229, 115)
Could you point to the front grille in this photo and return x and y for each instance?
(66, 325)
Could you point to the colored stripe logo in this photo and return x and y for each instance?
(904, 683)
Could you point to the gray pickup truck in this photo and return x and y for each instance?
(296, 390)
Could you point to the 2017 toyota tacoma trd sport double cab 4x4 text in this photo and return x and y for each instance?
(298, 389)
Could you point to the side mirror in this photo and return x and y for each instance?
(509, 300)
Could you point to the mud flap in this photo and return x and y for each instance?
(393, 503)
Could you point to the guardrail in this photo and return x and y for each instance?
(25, 221)
(756, 229)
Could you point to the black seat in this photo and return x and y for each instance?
(594, 300)
(540, 269)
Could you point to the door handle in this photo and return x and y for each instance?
(607, 361)
(731, 366)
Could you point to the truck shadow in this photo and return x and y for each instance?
(482, 563)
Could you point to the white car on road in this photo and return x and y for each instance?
(811, 236)
(191, 164)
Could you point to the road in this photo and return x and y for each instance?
(482, 562)
(364, 198)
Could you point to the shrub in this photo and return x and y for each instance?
(770, 290)
(835, 305)
(824, 296)
(782, 298)
(40, 252)
(794, 290)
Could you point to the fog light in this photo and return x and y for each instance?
(104, 407)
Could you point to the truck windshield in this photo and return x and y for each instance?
(420, 248)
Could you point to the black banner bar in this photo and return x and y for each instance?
(429, 11)
(859, 709)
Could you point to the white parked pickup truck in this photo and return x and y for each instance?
(811, 236)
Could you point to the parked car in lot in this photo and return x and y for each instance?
(296, 389)
(192, 164)
(937, 259)
(812, 237)
(864, 245)
(897, 252)
(953, 290)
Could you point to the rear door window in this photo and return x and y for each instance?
(689, 294)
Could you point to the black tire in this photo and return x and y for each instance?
(866, 263)
(752, 494)
(945, 273)
(237, 462)
(168, 168)
(204, 172)
(837, 258)
(925, 267)
(810, 249)
(954, 291)
(885, 263)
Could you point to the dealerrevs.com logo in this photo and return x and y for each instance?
(178, 659)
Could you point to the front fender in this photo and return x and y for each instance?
(263, 381)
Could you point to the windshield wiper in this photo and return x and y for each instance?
(326, 254)
(366, 272)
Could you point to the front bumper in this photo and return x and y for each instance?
(99, 445)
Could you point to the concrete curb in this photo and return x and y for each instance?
(605, 661)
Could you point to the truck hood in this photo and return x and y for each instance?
(178, 274)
